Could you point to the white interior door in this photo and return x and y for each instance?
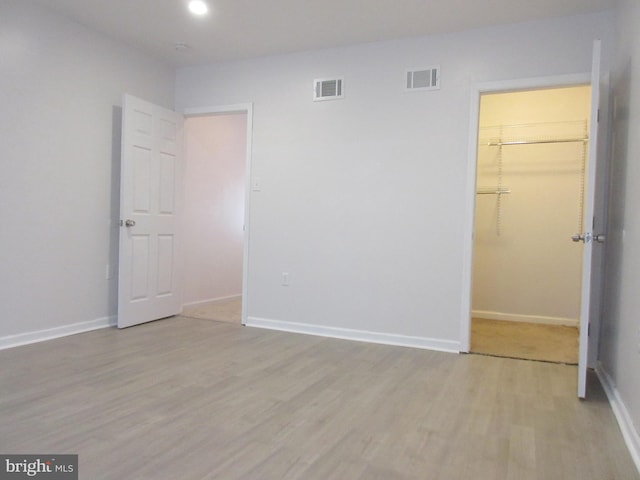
(591, 275)
(149, 285)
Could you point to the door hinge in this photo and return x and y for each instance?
(598, 119)
(588, 330)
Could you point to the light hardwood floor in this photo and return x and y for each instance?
(195, 399)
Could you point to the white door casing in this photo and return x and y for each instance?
(471, 180)
(149, 286)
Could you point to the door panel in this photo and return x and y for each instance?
(591, 284)
(151, 176)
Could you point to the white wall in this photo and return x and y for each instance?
(214, 206)
(362, 199)
(620, 338)
(60, 90)
(526, 268)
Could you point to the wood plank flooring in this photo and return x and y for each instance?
(195, 399)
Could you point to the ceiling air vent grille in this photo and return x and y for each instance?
(328, 89)
(423, 79)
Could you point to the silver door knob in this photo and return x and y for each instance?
(600, 238)
(577, 237)
(586, 237)
(130, 223)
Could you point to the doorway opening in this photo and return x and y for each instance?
(530, 192)
(216, 170)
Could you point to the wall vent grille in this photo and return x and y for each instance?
(423, 79)
(328, 89)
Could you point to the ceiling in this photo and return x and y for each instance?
(236, 29)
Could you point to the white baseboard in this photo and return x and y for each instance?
(629, 432)
(514, 317)
(356, 335)
(211, 300)
(11, 341)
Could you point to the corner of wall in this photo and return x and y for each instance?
(627, 427)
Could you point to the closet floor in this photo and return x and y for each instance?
(529, 341)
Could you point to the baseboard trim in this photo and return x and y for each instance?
(211, 300)
(356, 335)
(629, 432)
(514, 317)
(27, 338)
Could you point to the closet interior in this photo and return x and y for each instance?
(532, 154)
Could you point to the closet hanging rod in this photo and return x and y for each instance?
(533, 142)
(493, 191)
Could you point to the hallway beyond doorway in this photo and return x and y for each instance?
(227, 310)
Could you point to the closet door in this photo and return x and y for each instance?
(595, 197)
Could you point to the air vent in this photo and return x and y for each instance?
(327, 89)
(423, 79)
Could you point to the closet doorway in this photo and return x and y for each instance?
(530, 192)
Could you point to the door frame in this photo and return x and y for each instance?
(537, 83)
(246, 108)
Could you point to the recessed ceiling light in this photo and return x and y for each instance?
(198, 7)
